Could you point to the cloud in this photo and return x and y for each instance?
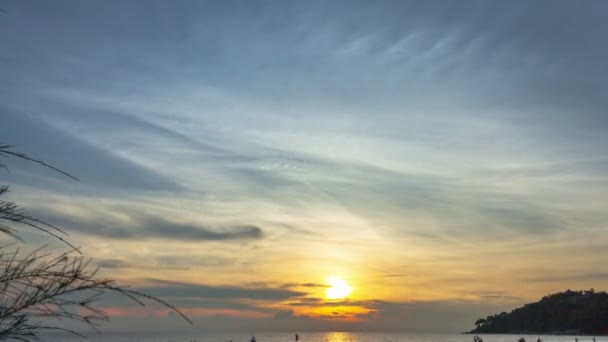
(142, 226)
(163, 288)
(169, 262)
(95, 167)
(438, 316)
(450, 316)
(569, 277)
(493, 296)
(463, 207)
(112, 263)
(308, 285)
(197, 303)
(190, 261)
(319, 302)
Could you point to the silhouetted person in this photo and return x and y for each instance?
(298, 338)
(576, 339)
(521, 339)
(252, 338)
(539, 340)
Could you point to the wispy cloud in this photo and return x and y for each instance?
(164, 288)
(137, 226)
(95, 166)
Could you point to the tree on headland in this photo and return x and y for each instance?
(40, 288)
(480, 322)
(584, 312)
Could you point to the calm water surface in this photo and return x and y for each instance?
(312, 337)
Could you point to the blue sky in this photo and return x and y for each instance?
(428, 152)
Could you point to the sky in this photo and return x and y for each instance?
(446, 159)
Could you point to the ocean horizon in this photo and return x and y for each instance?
(310, 337)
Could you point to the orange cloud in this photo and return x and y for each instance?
(347, 313)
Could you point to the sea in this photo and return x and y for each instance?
(312, 337)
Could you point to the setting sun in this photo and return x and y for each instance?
(337, 289)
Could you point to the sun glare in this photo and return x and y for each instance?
(337, 289)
